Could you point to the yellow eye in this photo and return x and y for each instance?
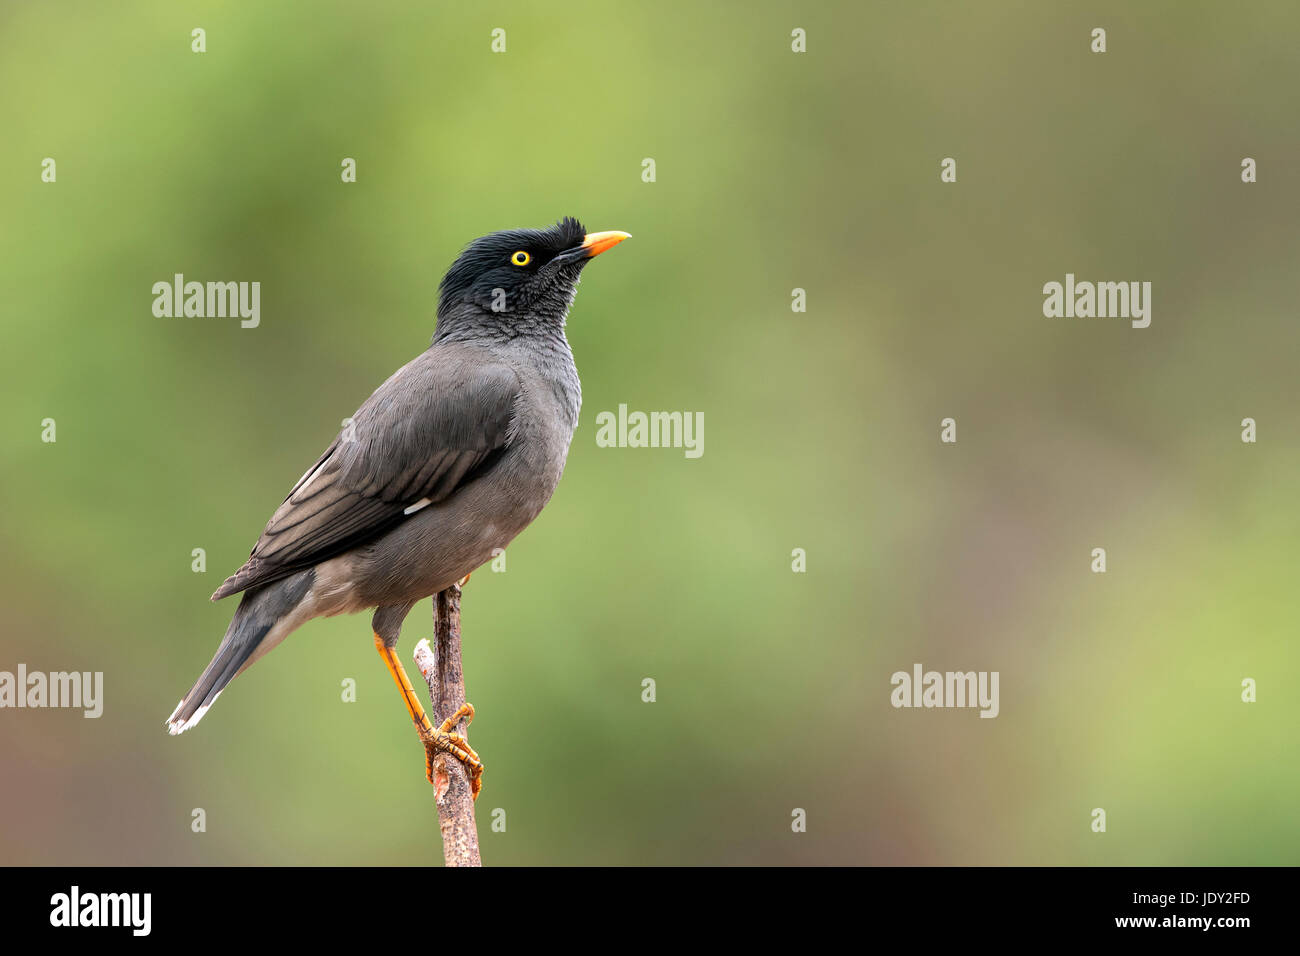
(521, 258)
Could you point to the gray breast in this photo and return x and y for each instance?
(440, 544)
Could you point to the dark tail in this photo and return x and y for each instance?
(258, 612)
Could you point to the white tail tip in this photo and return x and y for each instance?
(175, 726)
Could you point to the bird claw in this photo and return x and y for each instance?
(443, 740)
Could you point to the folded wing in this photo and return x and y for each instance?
(434, 426)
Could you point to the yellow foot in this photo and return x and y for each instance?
(443, 740)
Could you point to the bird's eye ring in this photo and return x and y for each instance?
(521, 258)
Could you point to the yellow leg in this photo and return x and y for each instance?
(435, 739)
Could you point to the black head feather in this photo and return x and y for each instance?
(487, 265)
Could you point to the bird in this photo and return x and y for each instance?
(446, 462)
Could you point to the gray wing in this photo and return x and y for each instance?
(434, 426)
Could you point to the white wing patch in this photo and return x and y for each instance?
(423, 502)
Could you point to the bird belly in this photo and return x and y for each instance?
(438, 545)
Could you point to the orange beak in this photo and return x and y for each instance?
(597, 242)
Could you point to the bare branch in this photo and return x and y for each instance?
(442, 671)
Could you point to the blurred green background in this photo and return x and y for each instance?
(775, 170)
